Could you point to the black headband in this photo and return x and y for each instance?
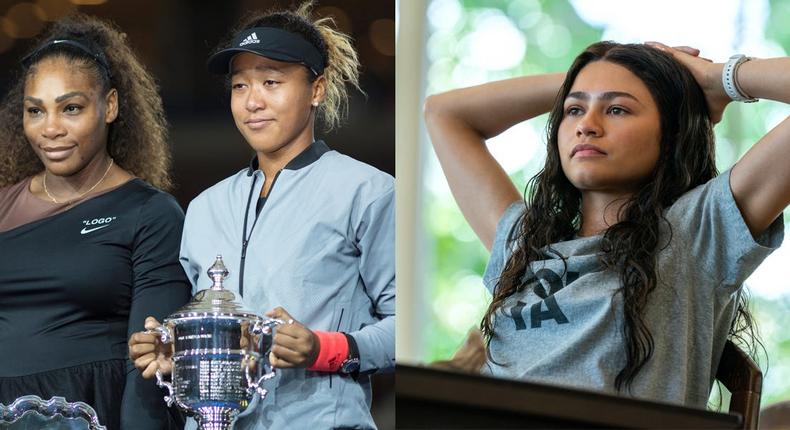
(83, 46)
(271, 43)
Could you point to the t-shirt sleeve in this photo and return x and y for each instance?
(711, 231)
(159, 288)
(501, 250)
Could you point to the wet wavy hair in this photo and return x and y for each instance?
(137, 139)
(629, 247)
(336, 48)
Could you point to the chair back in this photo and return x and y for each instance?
(744, 379)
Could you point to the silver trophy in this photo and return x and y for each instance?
(220, 355)
(31, 412)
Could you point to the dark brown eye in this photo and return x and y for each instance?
(617, 110)
(72, 109)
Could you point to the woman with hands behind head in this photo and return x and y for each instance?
(622, 270)
(310, 231)
(88, 242)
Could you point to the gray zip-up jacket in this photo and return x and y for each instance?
(322, 247)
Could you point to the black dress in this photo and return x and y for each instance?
(74, 286)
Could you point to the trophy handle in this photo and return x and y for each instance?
(164, 333)
(160, 381)
(261, 327)
(165, 336)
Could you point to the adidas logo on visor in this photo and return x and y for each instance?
(253, 38)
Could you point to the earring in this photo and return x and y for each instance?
(315, 104)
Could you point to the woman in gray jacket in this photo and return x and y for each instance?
(310, 231)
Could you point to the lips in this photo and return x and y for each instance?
(587, 150)
(258, 123)
(58, 153)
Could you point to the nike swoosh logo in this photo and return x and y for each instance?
(87, 230)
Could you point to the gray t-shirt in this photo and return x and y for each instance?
(564, 327)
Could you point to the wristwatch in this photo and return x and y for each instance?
(729, 79)
(350, 365)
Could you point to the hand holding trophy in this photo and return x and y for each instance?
(148, 353)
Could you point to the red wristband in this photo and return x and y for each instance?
(332, 351)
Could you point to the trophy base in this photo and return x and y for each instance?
(215, 417)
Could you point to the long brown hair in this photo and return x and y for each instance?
(629, 247)
(137, 139)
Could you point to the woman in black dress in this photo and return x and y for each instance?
(88, 242)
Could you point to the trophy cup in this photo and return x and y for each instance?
(220, 355)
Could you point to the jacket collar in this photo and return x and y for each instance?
(307, 157)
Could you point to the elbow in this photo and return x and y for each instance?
(432, 107)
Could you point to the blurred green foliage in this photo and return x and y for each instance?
(457, 296)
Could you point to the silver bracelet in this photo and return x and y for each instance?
(729, 79)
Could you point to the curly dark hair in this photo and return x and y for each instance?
(336, 48)
(137, 139)
(629, 247)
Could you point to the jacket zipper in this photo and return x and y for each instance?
(245, 239)
(337, 329)
(241, 265)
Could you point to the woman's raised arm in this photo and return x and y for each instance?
(760, 181)
(460, 121)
